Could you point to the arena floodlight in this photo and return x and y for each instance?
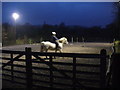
(15, 16)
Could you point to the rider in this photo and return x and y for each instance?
(54, 39)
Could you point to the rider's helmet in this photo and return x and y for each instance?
(53, 33)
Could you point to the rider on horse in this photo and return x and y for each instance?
(54, 39)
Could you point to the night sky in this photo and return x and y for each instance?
(86, 14)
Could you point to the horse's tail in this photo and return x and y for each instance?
(42, 46)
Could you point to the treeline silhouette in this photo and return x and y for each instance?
(28, 33)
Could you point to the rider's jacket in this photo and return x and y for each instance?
(54, 38)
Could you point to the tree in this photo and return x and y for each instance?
(8, 34)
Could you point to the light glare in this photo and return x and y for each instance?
(15, 16)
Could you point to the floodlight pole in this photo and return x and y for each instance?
(15, 29)
(15, 17)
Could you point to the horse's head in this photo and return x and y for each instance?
(63, 40)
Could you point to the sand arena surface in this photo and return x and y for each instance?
(69, 48)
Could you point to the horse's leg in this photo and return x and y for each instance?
(46, 52)
(60, 51)
(55, 52)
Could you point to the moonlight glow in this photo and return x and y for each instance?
(15, 16)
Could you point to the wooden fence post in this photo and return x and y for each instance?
(72, 40)
(51, 73)
(74, 73)
(103, 68)
(12, 67)
(116, 71)
(28, 68)
(77, 40)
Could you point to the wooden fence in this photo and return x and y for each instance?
(33, 61)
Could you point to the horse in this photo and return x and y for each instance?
(47, 45)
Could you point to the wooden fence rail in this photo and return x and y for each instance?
(75, 81)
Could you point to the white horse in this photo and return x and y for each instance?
(46, 45)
